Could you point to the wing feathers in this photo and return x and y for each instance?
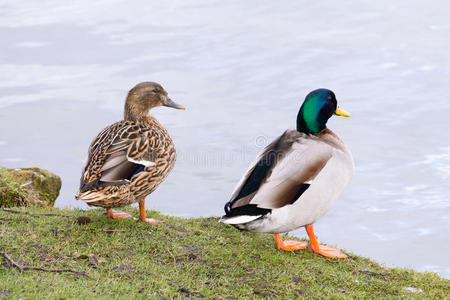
(256, 175)
(123, 171)
(113, 160)
(118, 153)
(288, 177)
(283, 172)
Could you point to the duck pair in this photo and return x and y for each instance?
(293, 183)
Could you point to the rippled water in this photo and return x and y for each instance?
(242, 68)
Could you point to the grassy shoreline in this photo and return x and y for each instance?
(195, 257)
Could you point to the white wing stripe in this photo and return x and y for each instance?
(145, 163)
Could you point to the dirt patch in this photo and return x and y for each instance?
(124, 268)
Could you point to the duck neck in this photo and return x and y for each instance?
(135, 113)
(309, 123)
(143, 118)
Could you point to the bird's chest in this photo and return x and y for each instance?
(162, 154)
(162, 150)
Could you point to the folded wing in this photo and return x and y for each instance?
(115, 156)
(282, 173)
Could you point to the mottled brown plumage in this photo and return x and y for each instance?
(129, 159)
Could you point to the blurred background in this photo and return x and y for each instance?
(242, 69)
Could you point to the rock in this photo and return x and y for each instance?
(28, 187)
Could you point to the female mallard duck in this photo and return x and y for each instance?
(296, 179)
(129, 159)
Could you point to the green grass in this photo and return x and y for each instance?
(11, 191)
(182, 258)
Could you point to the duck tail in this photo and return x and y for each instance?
(236, 220)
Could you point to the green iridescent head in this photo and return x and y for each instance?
(318, 107)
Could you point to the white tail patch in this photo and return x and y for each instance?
(239, 219)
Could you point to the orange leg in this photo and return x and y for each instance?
(142, 214)
(115, 214)
(289, 245)
(321, 249)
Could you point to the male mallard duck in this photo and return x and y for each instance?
(129, 159)
(296, 179)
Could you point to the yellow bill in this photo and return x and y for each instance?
(341, 112)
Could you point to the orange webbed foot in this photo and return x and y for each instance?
(117, 214)
(142, 215)
(289, 245)
(328, 251)
(151, 221)
(293, 245)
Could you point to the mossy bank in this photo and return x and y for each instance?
(196, 258)
(28, 187)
